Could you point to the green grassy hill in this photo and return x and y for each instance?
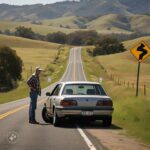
(34, 53)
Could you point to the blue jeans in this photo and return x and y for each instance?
(33, 105)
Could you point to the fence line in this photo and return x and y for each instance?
(125, 83)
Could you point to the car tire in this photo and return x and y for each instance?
(56, 119)
(107, 121)
(45, 116)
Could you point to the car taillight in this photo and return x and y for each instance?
(104, 103)
(66, 103)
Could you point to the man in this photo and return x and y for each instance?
(35, 90)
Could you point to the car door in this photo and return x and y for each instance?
(54, 96)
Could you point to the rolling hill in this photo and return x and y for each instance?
(140, 23)
(110, 23)
(41, 29)
(30, 51)
(106, 16)
(72, 22)
(86, 8)
(117, 23)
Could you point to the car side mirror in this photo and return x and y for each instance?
(48, 94)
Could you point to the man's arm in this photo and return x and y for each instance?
(39, 92)
(31, 84)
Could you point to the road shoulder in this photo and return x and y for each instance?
(115, 138)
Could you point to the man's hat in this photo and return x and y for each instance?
(38, 69)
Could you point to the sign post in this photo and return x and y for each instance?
(100, 80)
(141, 52)
(49, 79)
(138, 77)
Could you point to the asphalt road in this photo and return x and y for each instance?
(17, 134)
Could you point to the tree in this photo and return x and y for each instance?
(82, 37)
(75, 38)
(89, 37)
(10, 67)
(108, 46)
(7, 32)
(24, 32)
(57, 37)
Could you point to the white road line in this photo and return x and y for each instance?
(86, 139)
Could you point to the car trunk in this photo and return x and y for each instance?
(87, 101)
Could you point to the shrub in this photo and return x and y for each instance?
(10, 68)
(24, 32)
(57, 37)
(108, 46)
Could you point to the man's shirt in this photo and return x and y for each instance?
(34, 83)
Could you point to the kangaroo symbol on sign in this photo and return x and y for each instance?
(141, 49)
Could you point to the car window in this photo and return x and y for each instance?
(56, 89)
(83, 89)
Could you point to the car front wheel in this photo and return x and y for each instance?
(45, 116)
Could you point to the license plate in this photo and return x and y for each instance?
(87, 113)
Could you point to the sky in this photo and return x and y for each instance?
(23, 2)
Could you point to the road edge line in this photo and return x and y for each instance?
(86, 139)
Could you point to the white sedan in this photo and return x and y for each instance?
(78, 100)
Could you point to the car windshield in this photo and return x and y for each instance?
(83, 89)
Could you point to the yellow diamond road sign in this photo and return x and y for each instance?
(141, 51)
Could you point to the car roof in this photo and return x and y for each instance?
(79, 82)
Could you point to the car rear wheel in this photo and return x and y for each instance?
(107, 121)
(45, 116)
(56, 119)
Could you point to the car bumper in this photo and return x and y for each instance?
(78, 112)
